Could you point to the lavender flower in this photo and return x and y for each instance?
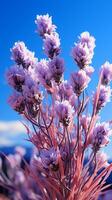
(86, 38)
(79, 81)
(56, 67)
(44, 25)
(17, 102)
(64, 111)
(52, 45)
(89, 70)
(43, 72)
(49, 159)
(106, 73)
(104, 97)
(16, 77)
(33, 97)
(85, 121)
(65, 90)
(22, 56)
(101, 135)
(84, 50)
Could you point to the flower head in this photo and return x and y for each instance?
(86, 38)
(65, 90)
(43, 72)
(22, 56)
(16, 77)
(49, 159)
(84, 50)
(64, 111)
(56, 67)
(33, 97)
(44, 25)
(52, 45)
(101, 135)
(104, 97)
(106, 73)
(89, 70)
(79, 81)
(17, 102)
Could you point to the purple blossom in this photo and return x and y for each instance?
(43, 72)
(85, 121)
(51, 45)
(86, 38)
(31, 90)
(106, 73)
(65, 90)
(104, 97)
(16, 77)
(73, 101)
(56, 67)
(49, 159)
(100, 136)
(17, 102)
(79, 81)
(44, 25)
(84, 50)
(22, 56)
(89, 70)
(64, 111)
(33, 97)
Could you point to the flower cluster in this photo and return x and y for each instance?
(101, 135)
(27, 97)
(63, 130)
(64, 111)
(79, 81)
(22, 56)
(84, 50)
(44, 25)
(105, 91)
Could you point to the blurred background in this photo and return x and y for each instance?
(71, 17)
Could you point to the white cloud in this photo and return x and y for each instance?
(4, 142)
(12, 127)
(12, 133)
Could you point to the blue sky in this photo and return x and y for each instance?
(72, 17)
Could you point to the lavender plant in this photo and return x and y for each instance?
(68, 162)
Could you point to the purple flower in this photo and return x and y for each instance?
(106, 73)
(56, 67)
(104, 97)
(49, 159)
(51, 45)
(85, 121)
(30, 90)
(16, 77)
(43, 72)
(89, 70)
(86, 38)
(64, 111)
(44, 25)
(65, 90)
(84, 50)
(100, 136)
(79, 81)
(22, 56)
(33, 97)
(17, 102)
